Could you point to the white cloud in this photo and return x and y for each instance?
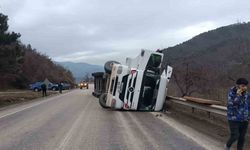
(193, 30)
(96, 31)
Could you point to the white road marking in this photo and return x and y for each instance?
(69, 134)
(43, 101)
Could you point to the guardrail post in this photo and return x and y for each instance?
(192, 109)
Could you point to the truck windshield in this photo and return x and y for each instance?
(154, 60)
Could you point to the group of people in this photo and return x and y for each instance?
(238, 113)
(44, 88)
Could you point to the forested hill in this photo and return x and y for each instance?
(21, 65)
(213, 42)
(211, 60)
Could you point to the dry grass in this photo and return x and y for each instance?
(12, 97)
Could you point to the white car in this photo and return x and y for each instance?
(140, 84)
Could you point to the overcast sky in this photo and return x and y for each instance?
(95, 31)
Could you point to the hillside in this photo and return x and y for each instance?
(37, 67)
(81, 70)
(21, 64)
(211, 62)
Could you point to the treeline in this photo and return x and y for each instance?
(208, 64)
(21, 64)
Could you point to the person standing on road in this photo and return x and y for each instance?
(238, 113)
(44, 89)
(60, 86)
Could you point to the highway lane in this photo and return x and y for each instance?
(75, 121)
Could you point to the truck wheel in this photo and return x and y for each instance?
(103, 99)
(54, 88)
(36, 89)
(108, 66)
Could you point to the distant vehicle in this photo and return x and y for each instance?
(140, 84)
(66, 86)
(36, 86)
(52, 86)
(84, 84)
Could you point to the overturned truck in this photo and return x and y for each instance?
(140, 84)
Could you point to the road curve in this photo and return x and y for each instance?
(75, 121)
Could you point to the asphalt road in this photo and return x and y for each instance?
(75, 121)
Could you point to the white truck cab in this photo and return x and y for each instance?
(140, 84)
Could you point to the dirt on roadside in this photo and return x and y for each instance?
(13, 97)
(213, 125)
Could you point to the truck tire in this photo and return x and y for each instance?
(36, 89)
(54, 89)
(108, 66)
(103, 99)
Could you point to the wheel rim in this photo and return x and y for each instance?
(104, 100)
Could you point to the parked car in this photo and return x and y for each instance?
(66, 86)
(52, 86)
(36, 86)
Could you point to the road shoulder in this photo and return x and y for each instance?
(202, 139)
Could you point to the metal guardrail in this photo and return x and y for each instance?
(216, 109)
